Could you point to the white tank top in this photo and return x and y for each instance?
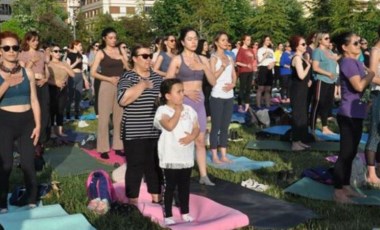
(374, 86)
(224, 78)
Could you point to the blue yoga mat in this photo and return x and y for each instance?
(88, 117)
(238, 117)
(282, 129)
(51, 217)
(239, 163)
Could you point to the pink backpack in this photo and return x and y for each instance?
(99, 185)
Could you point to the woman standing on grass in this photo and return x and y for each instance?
(372, 153)
(137, 92)
(31, 57)
(222, 97)
(168, 50)
(351, 113)
(299, 88)
(59, 72)
(112, 64)
(324, 67)
(20, 119)
(245, 61)
(190, 68)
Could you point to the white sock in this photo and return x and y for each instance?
(169, 221)
(187, 218)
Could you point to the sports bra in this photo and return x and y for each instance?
(18, 94)
(187, 74)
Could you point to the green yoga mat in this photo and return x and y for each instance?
(323, 146)
(71, 160)
(309, 188)
(51, 217)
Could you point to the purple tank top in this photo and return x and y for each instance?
(187, 74)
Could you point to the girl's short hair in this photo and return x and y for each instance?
(166, 87)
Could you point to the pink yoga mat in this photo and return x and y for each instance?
(113, 157)
(207, 213)
(334, 158)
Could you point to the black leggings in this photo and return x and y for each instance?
(176, 178)
(44, 100)
(350, 134)
(322, 102)
(17, 127)
(142, 158)
(245, 86)
(75, 88)
(58, 99)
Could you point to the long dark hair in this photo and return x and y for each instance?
(182, 35)
(166, 87)
(29, 36)
(343, 39)
(216, 38)
(105, 32)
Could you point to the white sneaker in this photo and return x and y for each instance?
(82, 124)
(187, 218)
(254, 185)
(169, 221)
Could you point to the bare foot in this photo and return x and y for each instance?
(350, 192)
(226, 160)
(216, 160)
(297, 147)
(304, 145)
(327, 131)
(343, 199)
(373, 180)
(246, 107)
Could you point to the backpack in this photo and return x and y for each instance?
(99, 185)
(358, 172)
(321, 174)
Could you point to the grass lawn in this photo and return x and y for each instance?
(333, 216)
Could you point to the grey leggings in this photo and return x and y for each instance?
(75, 88)
(372, 154)
(221, 113)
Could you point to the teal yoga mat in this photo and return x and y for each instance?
(71, 160)
(309, 188)
(239, 164)
(51, 217)
(286, 146)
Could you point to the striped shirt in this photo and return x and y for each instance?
(137, 121)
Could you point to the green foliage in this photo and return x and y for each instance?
(272, 19)
(50, 22)
(15, 26)
(137, 29)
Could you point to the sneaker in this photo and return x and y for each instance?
(104, 155)
(93, 204)
(254, 185)
(169, 221)
(3, 210)
(120, 153)
(103, 207)
(82, 124)
(187, 218)
(206, 181)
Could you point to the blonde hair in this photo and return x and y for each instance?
(319, 37)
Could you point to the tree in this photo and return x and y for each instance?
(272, 20)
(19, 24)
(137, 29)
(50, 22)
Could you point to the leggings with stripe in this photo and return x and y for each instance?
(173, 178)
(322, 102)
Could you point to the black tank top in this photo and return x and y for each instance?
(111, 67)
(295, 78)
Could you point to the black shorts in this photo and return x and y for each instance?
(264, 76)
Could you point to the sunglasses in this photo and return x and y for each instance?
(57, 51)
(15, 48)
(123, 47)
(172, 40)
(145, 56)
(356, 43)
(326, 38)
(96, 45)
(364, 43)
(303, 44)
